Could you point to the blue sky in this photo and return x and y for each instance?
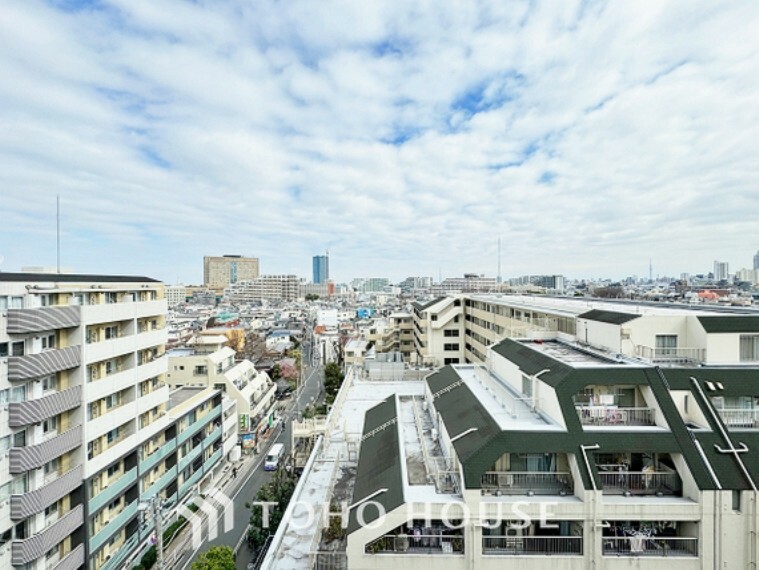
(406, 138)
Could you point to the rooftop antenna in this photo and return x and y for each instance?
(58, 230)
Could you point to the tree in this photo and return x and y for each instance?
(216, 558)
(312, 297)
(278, 491)
(333, 379)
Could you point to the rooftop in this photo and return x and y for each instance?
(74, 278)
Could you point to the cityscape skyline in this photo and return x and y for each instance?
(587, 137)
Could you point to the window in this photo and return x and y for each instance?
(451, 346)
(110, 297)
(451, 361)
(666, 344)
(749, 348)
(737, 500)
(18, 348)
(433, 318)
(16, 303)
(51, 509)
(52, 466)
(3, 347)
(111, 332)
(48, 342)
(113, 435)
(49, 383)
(113, 469)
(451, 332)
(50, 424)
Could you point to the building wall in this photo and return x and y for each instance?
(218, 272)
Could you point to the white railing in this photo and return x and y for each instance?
(640, 482)
(542, 545)
(417, 544)
(650, 546)
(736, 417)
(671, 355)
(539, 482)
(614, 416)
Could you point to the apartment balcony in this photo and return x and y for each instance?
(188, 484)
(739, 418)
(671, 356)
(114, 489)
(24, 321)
(532, 545)
(642, 545)
(72, 561)
(527, 483)
(116, 559)
(29, 549)
(160, 483)
(24, 459)
(194, 453)
(34, 411)
(43, 363)
(417, 544)
(33, 502)
(161, 453)
(211, 462)
(114, 312)
(113, 526)
(194, 428)
(637, 483)
(154, 367)
(616, 416)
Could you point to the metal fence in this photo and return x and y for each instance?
(417, 544)
(640, 482)
(736, 417)
(613, 416)
(519, 482)
(527, 545)
(650, 546)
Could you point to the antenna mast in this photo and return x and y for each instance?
(58, 230)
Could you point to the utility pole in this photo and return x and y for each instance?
(155, 504)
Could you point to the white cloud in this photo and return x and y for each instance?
(405, 138)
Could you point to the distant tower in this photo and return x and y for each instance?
(321, 269)
(756, 260)
(650, 270)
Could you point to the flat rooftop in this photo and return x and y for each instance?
(575, 356)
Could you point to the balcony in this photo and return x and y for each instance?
(43, 363)
(33, 502)
(671, 356)
(73, 560)
(195, 427)
(112, 490)
(417, 544)
(29, 549)
(641, 545)
(161, 453)
(160, 483)
(24, 459)
(114, 312)
(126, 549)
(527, 483)
(113, 526)
(635, 483)
(185, 461)
(739, 418)
(24, 321)
(616, 416)
(34, 411)
(212, 460)
(192, 480)
(532, 545)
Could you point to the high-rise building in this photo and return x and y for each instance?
(218, 272)
(270, 287)
(756, 260)
(721, 270)
(321, 269)
(90, 430)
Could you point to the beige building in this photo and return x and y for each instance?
(265, 287)
(208, 363)
(219, 272)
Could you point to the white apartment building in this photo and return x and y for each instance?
(265, 287)
(175, 295)
(211, 364)
(644, 460)
(459, 329)
(86, 419)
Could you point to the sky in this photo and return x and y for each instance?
(404, 137)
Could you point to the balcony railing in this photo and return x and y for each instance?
(640, 482)
(671, 355)
(416, 544)
(528, 545)
(521, 482)
(650, 546)
(614, 416)
(736, 417)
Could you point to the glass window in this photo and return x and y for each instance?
(18, 348)
(666, 344)
(749, 349)
(3, 347)
(16, 303)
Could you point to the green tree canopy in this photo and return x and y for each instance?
(216, 558)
